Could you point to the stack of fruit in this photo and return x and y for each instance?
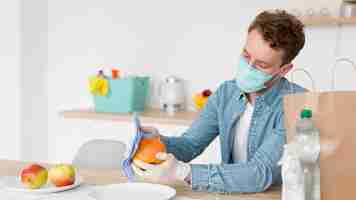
(35, 176)
(200, 99)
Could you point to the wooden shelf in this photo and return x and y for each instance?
(149, 116)
(328, 21)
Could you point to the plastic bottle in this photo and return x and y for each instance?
(308, 137)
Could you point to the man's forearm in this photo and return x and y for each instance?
(181, 148)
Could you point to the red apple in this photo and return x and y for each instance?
(34, 176)
(207, 93)
(62, 175)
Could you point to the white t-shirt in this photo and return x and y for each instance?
(241, 138)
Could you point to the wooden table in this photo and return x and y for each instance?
(102, 177)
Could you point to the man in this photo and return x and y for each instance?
(245, 113)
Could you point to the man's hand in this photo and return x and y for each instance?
(170, 171)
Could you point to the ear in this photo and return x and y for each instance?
(286, 68)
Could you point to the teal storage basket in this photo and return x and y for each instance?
(125, 95)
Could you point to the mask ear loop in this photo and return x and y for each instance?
(333, 69)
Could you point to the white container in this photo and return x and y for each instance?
(172, 94)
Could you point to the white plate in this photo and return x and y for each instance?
(13, 183)
(133, 191)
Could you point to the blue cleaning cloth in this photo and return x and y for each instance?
(126, 164)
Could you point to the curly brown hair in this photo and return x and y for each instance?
(282, 30)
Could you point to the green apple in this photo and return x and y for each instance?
(62, 175)
(34, 176)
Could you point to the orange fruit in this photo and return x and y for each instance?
(147, 150)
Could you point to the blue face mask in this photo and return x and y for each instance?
(250, 79)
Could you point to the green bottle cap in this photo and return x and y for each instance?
(306, 113)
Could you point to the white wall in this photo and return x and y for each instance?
(197, 40)
(10, 41)
(34, 140)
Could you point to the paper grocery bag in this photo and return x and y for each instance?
(334, 113)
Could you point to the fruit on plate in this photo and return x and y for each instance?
(147, 150)
(200, 99)
(34, 176)
(62, 175)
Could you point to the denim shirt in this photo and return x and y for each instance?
(219, 117)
